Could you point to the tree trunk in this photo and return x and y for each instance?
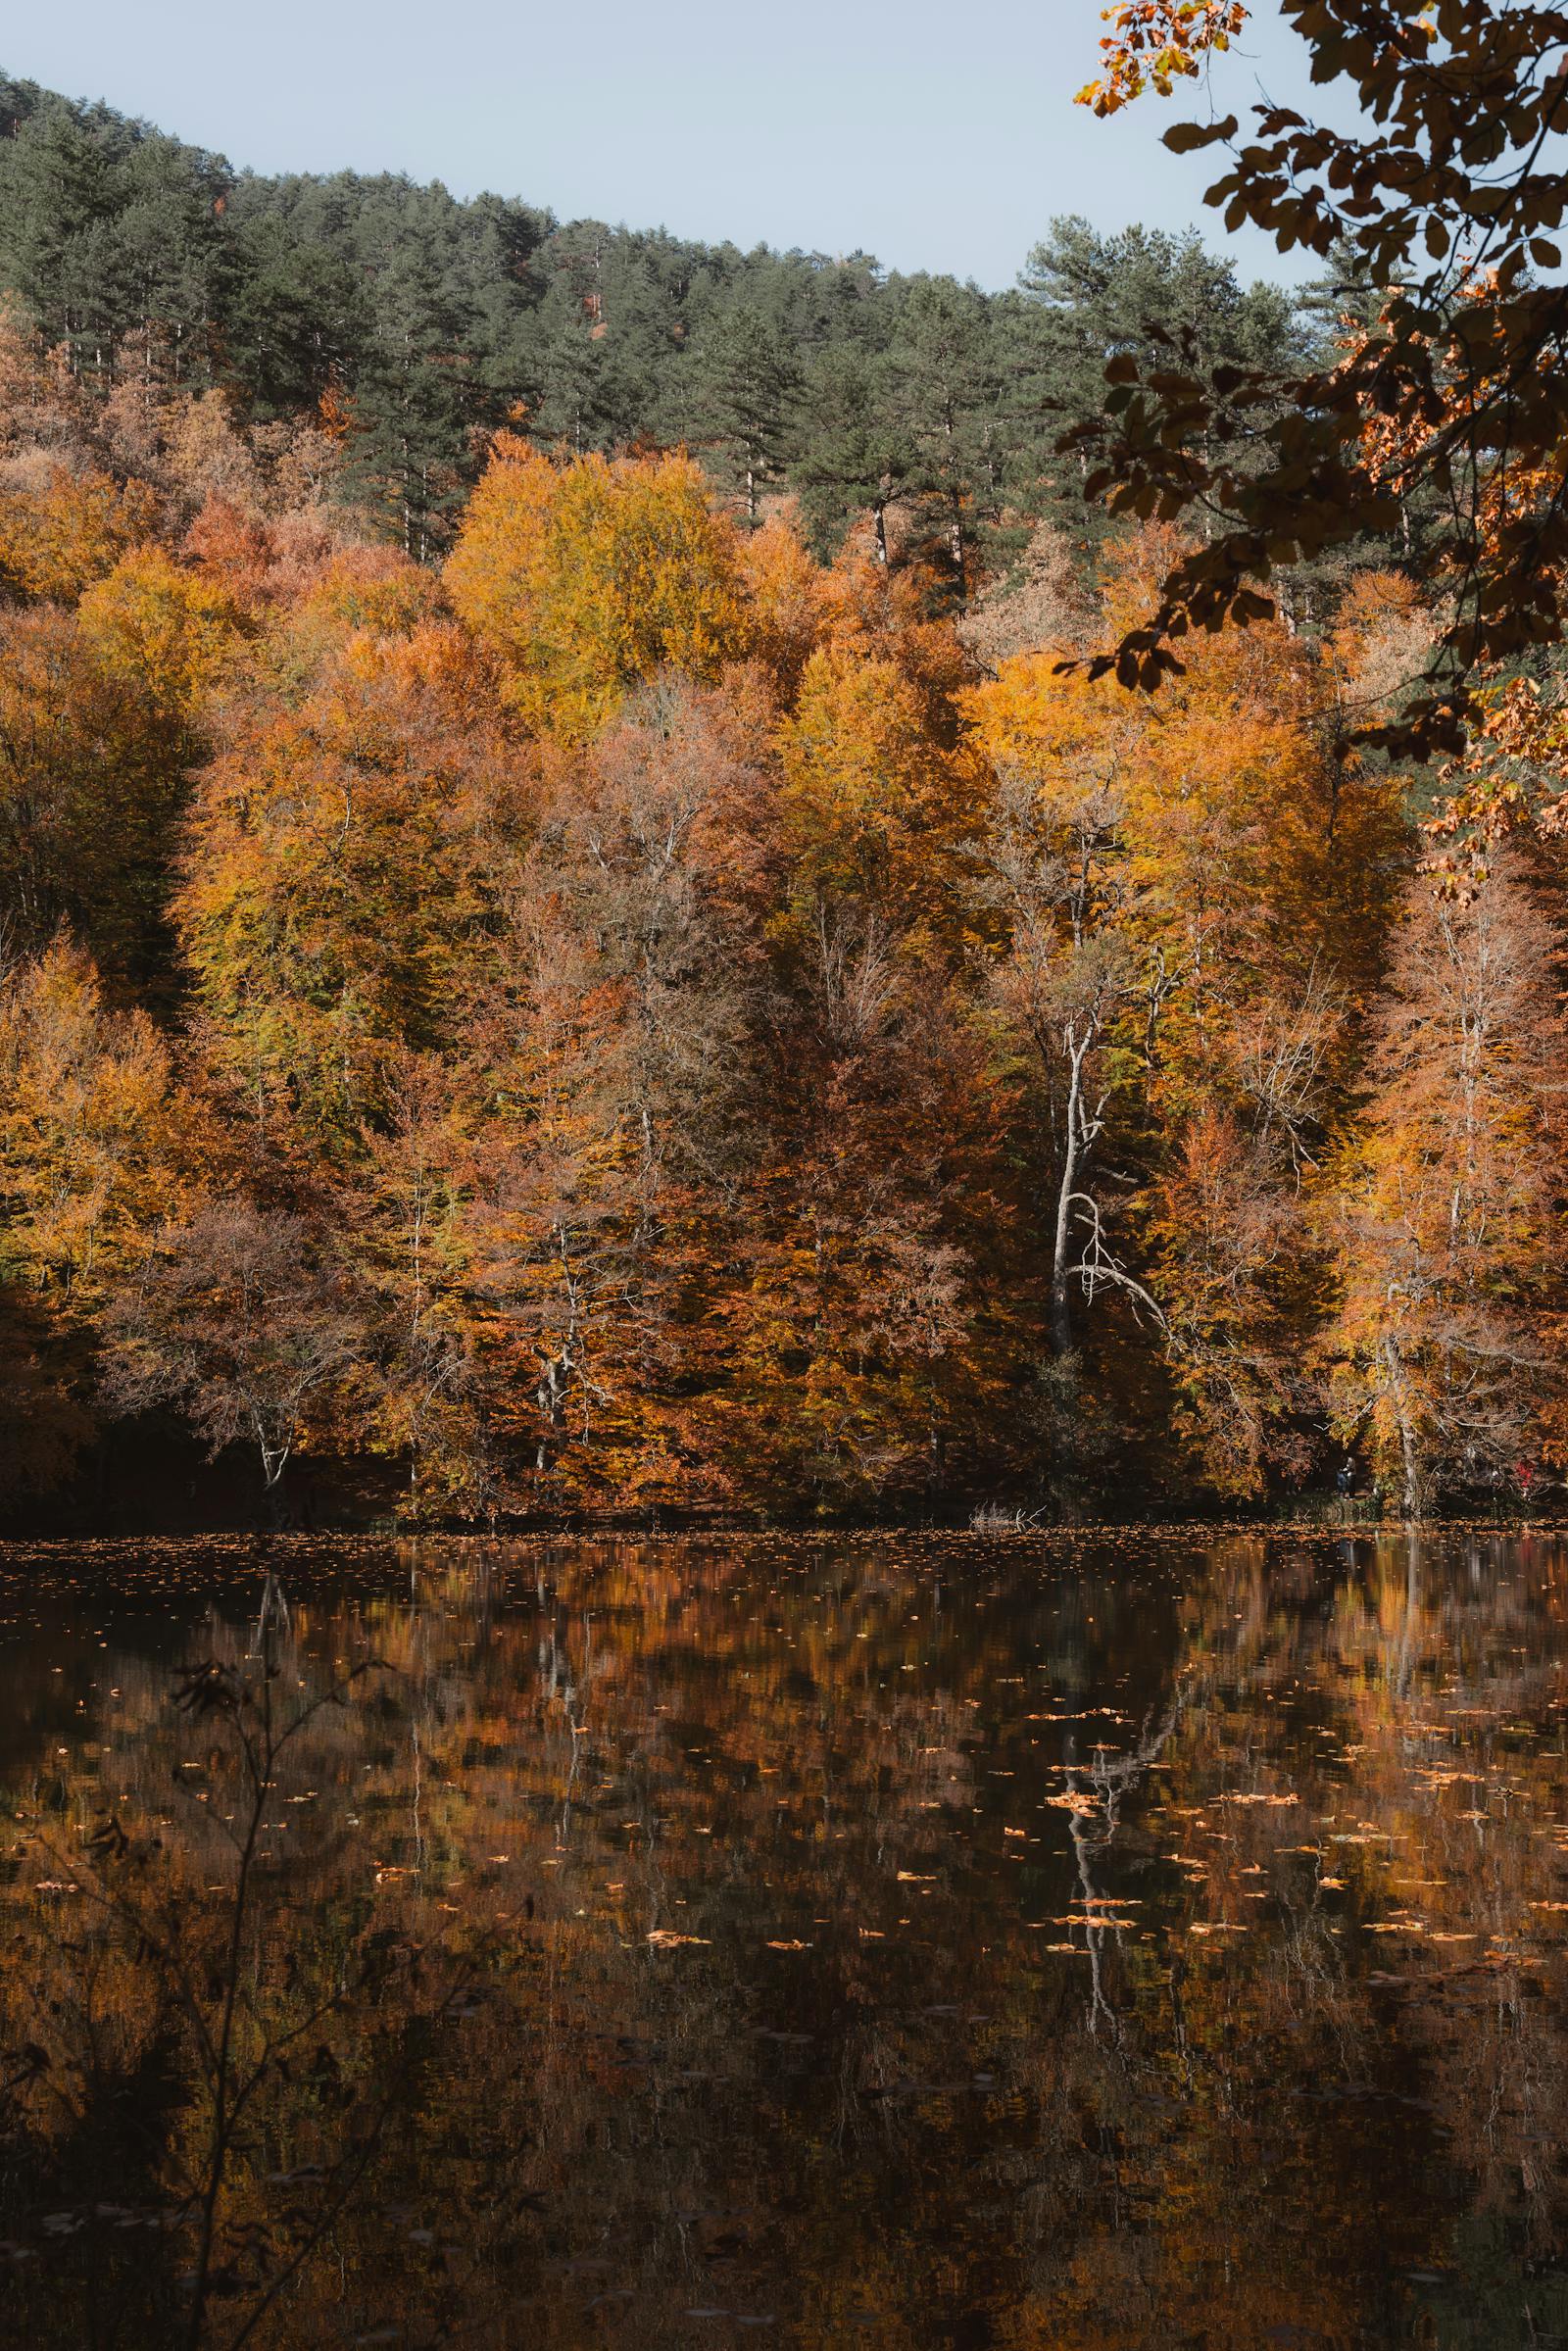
(1061, 1311)
(1408, 1452)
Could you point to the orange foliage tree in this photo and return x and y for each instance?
(340, 858)
(1193, 892)
(1447, 1349)
(89, 1162)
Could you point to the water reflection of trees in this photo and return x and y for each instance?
(853, 2088)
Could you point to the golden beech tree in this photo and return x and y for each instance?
(615, 1052)
(1264, 854)
(567, 1290)
(233, 551)
(884, 615)
(57, 538)
(1226, 1226)
(168, 628)
(414, 1392)
(375, 591)
(1229, 1258)
(877, 812)
(266, 563)
(1191, 893)
(1447, 1351)
(92, 767)
(338, 862)
(1260, 853)
(100, 719)
(586, 577)
(86, 1129)
(74, 822)
(1055, 873)
(561, 1309)
(89, 1162)
(787, 611)
(1378, 646)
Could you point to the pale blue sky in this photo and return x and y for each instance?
(938, 137)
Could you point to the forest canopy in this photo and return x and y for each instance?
(582, 933)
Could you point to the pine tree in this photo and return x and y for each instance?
(854, 454)
(943, 392)
(736, 402)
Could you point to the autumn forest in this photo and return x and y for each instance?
(582, 934)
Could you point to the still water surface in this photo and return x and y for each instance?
(1134, 1941)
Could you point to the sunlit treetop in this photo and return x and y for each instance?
(585, 576)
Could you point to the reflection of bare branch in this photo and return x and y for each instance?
(1109, 1779)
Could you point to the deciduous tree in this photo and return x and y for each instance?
(241, 1318)
(587, 578)
(1447, 1349)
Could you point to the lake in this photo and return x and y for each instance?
(1131, 1939)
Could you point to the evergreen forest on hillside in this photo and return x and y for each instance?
(416, 324)
(580, 935)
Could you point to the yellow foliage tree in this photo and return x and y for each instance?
(86, 1134)
(585, 577)
(877, 810)
(1194, 891)
(55, 538)
(94, 749)
(785, 606)
(168, 628)
(335, 862)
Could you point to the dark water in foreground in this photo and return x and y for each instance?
(1137, 1942)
